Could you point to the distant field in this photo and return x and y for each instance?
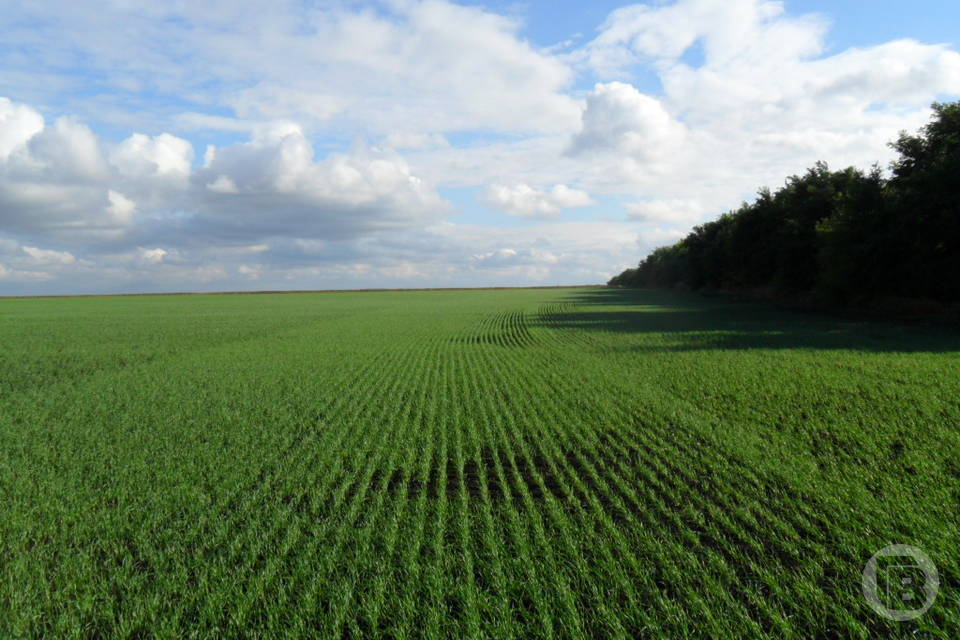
(557, 463)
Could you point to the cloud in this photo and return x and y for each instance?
(164, 156)
(765, 102)
(58, 178)
(400, 141)
(758, 57)
(421, 67)
(666, 211)
(727, 29)
(252, 272)
(121, 208)
(496, 257)
(53, 177)
(223, 184)
(153, 256)
(48, 256)
(533, 264)
(520, 199)
(272, 185)
(66, 151)
(57, 181)
(619, 118)
(427, 66)
(18, 123)
(32, 265)
(552, 252)
(9, 274)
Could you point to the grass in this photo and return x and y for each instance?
(484, 464)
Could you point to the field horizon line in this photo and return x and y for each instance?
(276, 291)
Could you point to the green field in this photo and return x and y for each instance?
(557, 463)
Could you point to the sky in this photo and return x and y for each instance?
(230, 145)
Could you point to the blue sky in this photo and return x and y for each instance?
(251, 145)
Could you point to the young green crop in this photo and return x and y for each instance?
(488, 464)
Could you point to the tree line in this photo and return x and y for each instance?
(850, 236)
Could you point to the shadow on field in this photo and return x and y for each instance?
(689, 322)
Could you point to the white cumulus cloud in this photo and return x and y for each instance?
(273, 185)
(121, 208)
(618, 117)
(53, 178)
(153, 256)
(57, 180)
(164, 155)
(18, 123)
(521, 199)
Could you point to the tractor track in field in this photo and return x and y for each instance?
(503, 329)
